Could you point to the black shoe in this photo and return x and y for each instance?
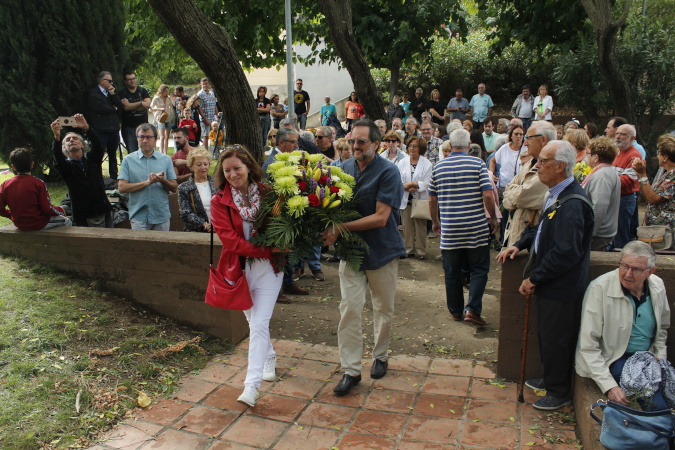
(536, 383)
(551, 403)
(379, 369)
(346, 384)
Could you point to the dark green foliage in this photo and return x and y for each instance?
(52, 53)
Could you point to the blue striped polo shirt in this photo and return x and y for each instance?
(458, 182)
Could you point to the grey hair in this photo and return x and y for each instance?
(63, 143)
(500, 140)
(545, 128)
(327, 131)
(504, 122)
(633, 131)
(412, 120)
(289, 121)
(103, 74)
(284, 133)
(307, 135)
(380, 122)
(452, 126)
(565, 153)
(474, 150)
(460, 139)
(146, 127)
(639, 249)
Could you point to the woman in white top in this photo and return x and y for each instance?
(543, 104)
(194, 195)
(161, 103)
(508, 157)
(415, 174)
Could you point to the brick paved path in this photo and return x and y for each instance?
(422, 403)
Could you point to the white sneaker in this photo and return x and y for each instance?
(269, 370)
(249, 396)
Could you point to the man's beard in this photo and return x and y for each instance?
(179, 145)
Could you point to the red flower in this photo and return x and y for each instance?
(313, 200)
(302, 185)
(323, 180)
(334, 189)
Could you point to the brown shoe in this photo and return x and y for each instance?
(283, 299)
(456, 318)
(294, 289)
(472, 317)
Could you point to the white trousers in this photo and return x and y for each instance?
(264, 285)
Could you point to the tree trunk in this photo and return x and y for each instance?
(211, 47)
(606, 29)
(395, 70)
(339, 17)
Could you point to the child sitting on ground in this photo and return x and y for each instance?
(27, 197)
(190, 125)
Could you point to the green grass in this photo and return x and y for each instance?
(49, 325)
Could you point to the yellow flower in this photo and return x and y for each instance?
(315, 158)
(282, 156)
(297, 205)
(345, 191)
(287, 171)
(276, 165)
(286, 185)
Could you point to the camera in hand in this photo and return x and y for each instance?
(66, 121)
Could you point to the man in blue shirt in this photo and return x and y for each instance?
(481, 107)
(458, 106)
(148, 176)
(460, 192)
(379, 190)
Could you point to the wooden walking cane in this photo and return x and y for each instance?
(523, 357)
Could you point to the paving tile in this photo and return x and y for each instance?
(178, 440)
(417, 445)
(483, 371)
(225, 397)
(301, 437)
(456, 367)
(324, 415)
(480, 434)
(254, 431)
(546, 439)
(398, 380)
(131, 434)
(392, 401)
(164, 411)
(409, 363)
(446, 385)
(237, 381)
(529, 416)
(481, 388)
(323, 353)
(228, 445)
(492, 411)
(193, 389)
(355, 397)
(202, 420)
(217, 372)
(284, 363)
(291, 348)
(239, 358)
(378, 423)
(435, 429)
(299, 387)
(276, 407)
(440, 406)
(361, 442)
(317, 370)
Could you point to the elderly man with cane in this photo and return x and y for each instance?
(559, 250)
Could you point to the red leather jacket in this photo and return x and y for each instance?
(228, 224)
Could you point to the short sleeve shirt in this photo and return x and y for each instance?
(208, 104)
(299, 98)
(480, 104)
(150, 204)
(458, 182)
(380, 181)
(134, 118)
(663, 213)
(461, 104)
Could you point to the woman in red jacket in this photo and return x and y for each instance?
(233, 211)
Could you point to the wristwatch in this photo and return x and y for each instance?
(643, 181)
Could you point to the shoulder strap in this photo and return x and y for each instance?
(242, 259)
(558, 203)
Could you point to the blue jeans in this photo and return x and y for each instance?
(265, 123)
(478, 262)
(302, 121)
(656, 403)
(313, 261)
(626, 208)
(129, 136)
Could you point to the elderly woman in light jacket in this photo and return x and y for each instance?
(415, 173)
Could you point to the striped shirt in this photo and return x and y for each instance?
(458, 182)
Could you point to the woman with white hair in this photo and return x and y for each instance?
(194, 195)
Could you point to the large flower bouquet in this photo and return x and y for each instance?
(307, 196)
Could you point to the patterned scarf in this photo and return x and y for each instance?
(247, 213)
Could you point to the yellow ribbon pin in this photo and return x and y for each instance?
(551, 214)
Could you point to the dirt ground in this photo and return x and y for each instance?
(422, 322)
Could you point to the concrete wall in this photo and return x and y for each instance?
(164, 271)
(511, 323)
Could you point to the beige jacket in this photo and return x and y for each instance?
(525, 196)
(606, 323)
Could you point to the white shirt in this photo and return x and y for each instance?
(510, 164)
(205, 196)
(546, 103)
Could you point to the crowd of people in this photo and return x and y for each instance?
(557, 196)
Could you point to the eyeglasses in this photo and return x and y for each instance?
(637, 271)
(358, 141)
(145, 137)
(131, 79)
(109, 81)
(391, 140)
(532, 136)
(320, 137)
(517, 134)
(543, 161)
